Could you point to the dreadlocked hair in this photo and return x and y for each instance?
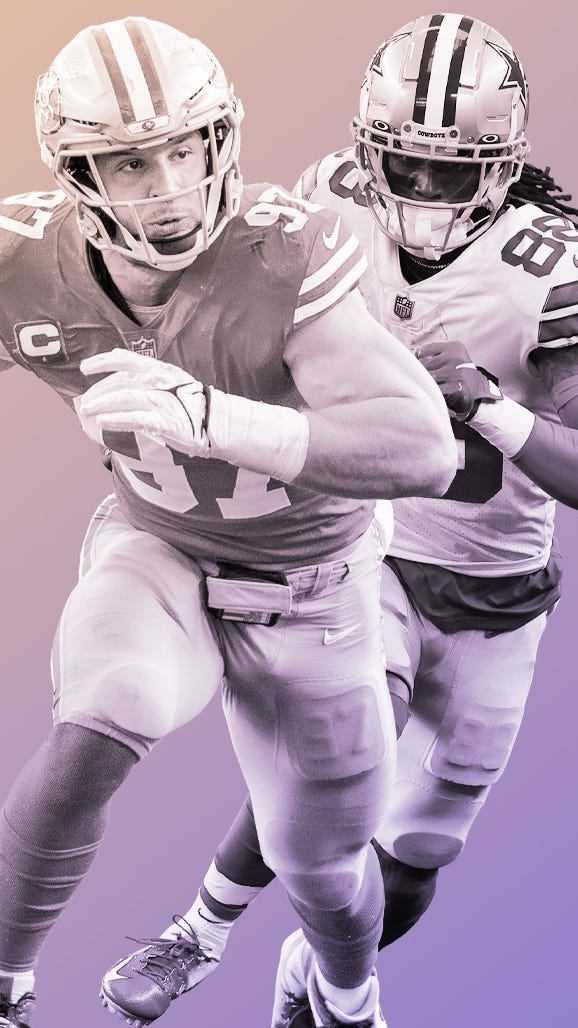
(537, 186)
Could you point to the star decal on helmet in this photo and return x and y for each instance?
(375, 63)
(514, 75)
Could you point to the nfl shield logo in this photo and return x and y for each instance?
(147, 347)
(403, 307)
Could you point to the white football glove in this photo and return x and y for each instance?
(142, 394)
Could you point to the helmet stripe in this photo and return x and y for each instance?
(115, 75)
(424, 74)
(131, 70)
(456, 65)
(148, 66)
(440, 69)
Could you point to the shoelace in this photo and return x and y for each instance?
(168, 956)
(22, 1006)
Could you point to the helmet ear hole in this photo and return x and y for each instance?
(78, 170)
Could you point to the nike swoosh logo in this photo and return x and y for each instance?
(330, 637)
(113, 975)
(209, 920)
(331, 241)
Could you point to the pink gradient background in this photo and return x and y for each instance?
(496, 948)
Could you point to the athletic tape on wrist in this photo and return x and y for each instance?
(506, 424)
(262, 437)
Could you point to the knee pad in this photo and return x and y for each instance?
(322, 866)
(408, 894)
(331, 889)
(428, 849)
(133, 700)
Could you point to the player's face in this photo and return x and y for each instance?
(416, 178)
(162, 172)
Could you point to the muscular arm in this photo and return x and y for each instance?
(378, 425)
(550, 455)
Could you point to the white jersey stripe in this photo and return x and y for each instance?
(328, 269)
(133, 75)
(560, 312)
(440, 71)
(326, 301)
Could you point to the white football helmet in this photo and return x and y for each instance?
(130, 84)
(440, 132)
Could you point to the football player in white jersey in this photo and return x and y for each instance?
(473, 266)
(237, 436)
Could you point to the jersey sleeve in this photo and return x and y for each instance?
(308, 181)
(558, 323)
(335, 266)
(321, 173)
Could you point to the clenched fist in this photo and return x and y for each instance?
(463, 385)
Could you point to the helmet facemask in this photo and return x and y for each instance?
(470, 186)
(76, 170)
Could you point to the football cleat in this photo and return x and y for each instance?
(19, 1014)
(141, 987)
(298, 1001)
(291, 1007)
(324, 1017)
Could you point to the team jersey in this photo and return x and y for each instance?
(277, 265)
(513, 290)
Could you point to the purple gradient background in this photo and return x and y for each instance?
(497, 947)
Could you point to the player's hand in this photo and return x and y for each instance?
(142, 394)
(463, 385)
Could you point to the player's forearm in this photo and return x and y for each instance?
(545, 451)
(382, 447)
(379, 448)
(550, 458)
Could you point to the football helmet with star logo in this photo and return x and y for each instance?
(133, 85)
(440, 134)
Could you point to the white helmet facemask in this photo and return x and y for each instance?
(471, 192)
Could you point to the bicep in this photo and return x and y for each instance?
(345, 355)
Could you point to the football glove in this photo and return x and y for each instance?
(142, 394)
(464, 385)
